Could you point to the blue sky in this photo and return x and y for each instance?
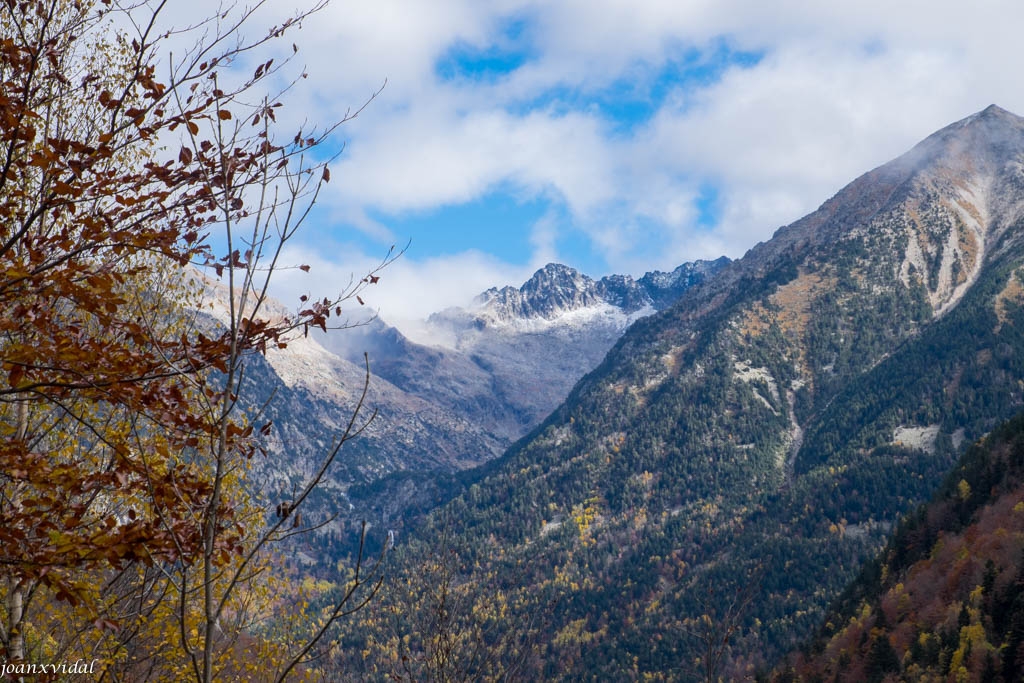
(614, 136)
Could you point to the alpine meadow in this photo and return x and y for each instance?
(804, 464)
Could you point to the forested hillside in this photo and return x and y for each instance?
(946, 597)
(498, 369)
(766, 431)
(688, 512)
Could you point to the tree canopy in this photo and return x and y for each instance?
(123, 448)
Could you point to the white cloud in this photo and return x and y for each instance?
(543, 239)
(408, 289)
(841, 88)
(430, 156)
(780, 138)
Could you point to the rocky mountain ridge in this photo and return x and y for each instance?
(557, 289)
(439, 410)
(510, 358)
(770, 426)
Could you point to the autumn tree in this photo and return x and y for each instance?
(720, 623)
(123, 451)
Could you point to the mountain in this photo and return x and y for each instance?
(311, 392)
(765, 430)
(506, 361)
(556, 290)
(439, 410)
(945, 599)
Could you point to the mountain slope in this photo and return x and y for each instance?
(510, 358)
(770, 426)
(946, 597)
(438, 410)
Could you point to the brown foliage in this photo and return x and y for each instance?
(120, 438)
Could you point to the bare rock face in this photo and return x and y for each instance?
(553, 290)
(556, 290)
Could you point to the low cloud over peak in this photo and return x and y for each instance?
(626, 137)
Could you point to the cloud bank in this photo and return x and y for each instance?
(648, 133)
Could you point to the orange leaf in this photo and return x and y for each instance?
(15, 376)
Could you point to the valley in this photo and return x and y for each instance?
(557, 436)
(510, 358)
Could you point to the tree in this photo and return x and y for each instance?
(721, 620)
(123, 452)
(881, 658)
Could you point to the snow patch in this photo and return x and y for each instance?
(578, 318)
(305, 363)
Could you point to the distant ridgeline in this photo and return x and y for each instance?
(509, 360)
(946, 597)
(767, 430)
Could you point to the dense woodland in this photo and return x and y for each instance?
(945, 599)
(669, 522)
